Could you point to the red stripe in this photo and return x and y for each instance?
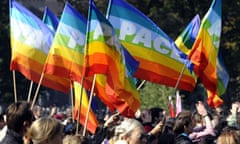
(50, 81)
(164, 79)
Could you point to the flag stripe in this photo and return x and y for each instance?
(102, 42)
(149, 45)
(92, 120)
(205, 52)
(66, 54)
(30, 42)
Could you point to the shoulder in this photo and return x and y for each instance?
(180, 139)
(11, 138)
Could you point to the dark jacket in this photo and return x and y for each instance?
(12, 137)
(183, 139)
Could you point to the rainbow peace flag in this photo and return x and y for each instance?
(105, 55)
(50, 19)
(205, 51)
(66, 55)
(160, 60)
(187, 38)
(185, 42)
(30, 43)
(92, 120)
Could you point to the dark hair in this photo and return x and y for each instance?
(17, 113)
(184, 118)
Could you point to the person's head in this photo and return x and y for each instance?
(46, 130)
(183, 123)
(19, 117)
(168, 125)
(157, 115)
(72, 139)
(130, 131)
(37, 111)
(229, 135)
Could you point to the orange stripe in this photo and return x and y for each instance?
(50, 81)
(92, 122)
(60, 66)
(115, 74)
(166, 71)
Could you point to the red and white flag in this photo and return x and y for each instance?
(178, 103)
(171, 107)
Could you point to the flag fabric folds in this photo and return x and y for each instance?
(50, 19)
(92, 120)
(160, 60)
(66, 56)
(205, 51)
(222, 75)
(106, 56)
(185, 42)
(187, 38)
(30, 43)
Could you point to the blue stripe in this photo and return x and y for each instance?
(73, 18)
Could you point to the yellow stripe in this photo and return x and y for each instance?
(179, 42)
(67, 53)
(153, 56)
(27, 51)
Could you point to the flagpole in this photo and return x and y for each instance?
(180, 76)
(29, 92)
(89, 105)
(14, 86)
(71, 93)
(80, 105)
(141, 84)
(37, 90)
(109, 8)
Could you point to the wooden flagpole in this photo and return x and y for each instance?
(141, 84)
(89, 104)
(14, 86)
(80, 106)
(37, 90)
(30, 91)
(72, 102)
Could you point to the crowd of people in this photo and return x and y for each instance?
(20, 124)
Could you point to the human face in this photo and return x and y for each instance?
(137, 136)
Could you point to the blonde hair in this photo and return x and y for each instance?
(229, 136)
(125, 128)
(44, 129)
(72, 139)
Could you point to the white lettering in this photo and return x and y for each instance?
(161, 45)
(102, 29)
(127, 28)
(143, 36)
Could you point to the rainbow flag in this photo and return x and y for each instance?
(92, 123)
(105, 55)
(205, 51)
(187, 38)
(30, 43)
(50, 19)
(222, 75)
(185, 42)
(160, 60)
(66, 55)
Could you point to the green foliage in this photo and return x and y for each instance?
(155, 95)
